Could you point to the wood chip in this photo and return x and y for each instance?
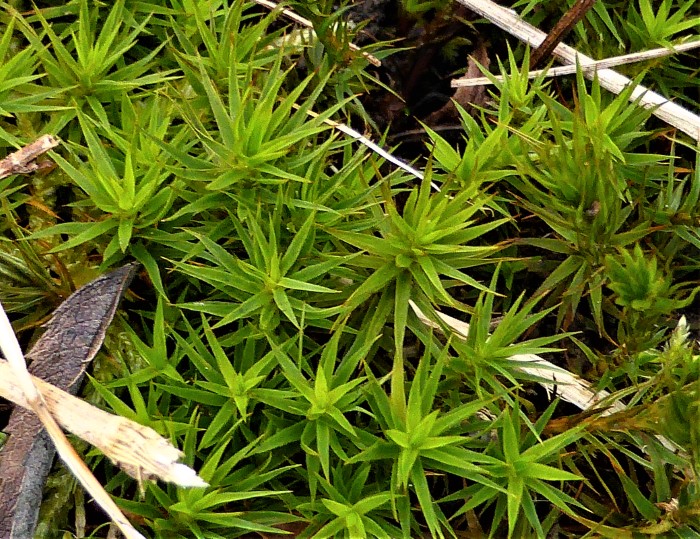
(23, 160)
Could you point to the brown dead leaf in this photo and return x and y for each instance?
(467, 97)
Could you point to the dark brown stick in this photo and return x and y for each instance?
(560, 31)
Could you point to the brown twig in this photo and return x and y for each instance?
(560, 31)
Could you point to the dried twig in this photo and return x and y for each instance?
(22, 161)
(306, 22)
(592, 66)
(560, 31)
(664, 109)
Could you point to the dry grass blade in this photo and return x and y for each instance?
(306, 22)
(72, 338)
(664, 109)
(15, 359)
(374, 147)
(587, 67)
(565, 384)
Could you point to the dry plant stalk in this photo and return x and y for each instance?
(342, 127)
(33, 399)
(587, 67)
(359, 137)
(664, 109)
(138, 450)
(22, 161)
(72, 338)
